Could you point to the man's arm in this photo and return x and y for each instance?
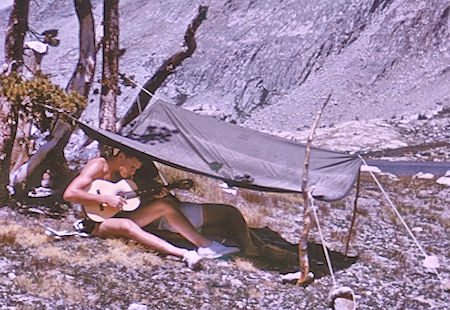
(77, 189)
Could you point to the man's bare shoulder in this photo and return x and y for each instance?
(96, 166)
(98, 160)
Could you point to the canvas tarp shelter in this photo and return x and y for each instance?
(239, 156)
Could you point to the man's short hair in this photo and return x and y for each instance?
(128, 153)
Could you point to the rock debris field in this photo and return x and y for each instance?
(383, 267)
(268, 66)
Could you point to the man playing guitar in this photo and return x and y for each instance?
(129, 224)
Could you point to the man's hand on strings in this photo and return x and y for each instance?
(115, 201)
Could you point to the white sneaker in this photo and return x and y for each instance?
(216, 250)
(192, 259)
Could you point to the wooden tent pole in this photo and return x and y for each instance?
(303, 244)
(354, 213)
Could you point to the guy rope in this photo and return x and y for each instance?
(430, 261)
(344, 294)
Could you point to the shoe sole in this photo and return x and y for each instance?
(221, 255)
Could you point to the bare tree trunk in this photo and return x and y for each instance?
(166, 69)
(110, 88)
(8, 125)
(15, 33)
(23, 147)
(80, 81)
(303, 244)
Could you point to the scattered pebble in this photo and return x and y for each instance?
(446, 285)
(422, 175)
(443, 181)
(137, 306)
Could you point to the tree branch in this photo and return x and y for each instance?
(166, 69)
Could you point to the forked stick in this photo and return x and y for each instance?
(303, 244)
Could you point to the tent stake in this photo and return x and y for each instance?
(303, 244)
(354, 213)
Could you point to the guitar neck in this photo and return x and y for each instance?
(157, 188)
(154, 189)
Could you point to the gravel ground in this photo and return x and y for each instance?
(385, 269)
(90, 273)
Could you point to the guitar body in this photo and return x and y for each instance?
(124, 188)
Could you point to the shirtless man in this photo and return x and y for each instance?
(129, 224)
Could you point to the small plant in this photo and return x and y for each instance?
(30, 98)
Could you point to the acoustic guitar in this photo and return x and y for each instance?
(126, 189)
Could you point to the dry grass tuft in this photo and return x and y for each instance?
(205, 187)
(52, 286)
(363, 211)
(128, 254)
(21, 235)
(254, 215)
(172, 174)
(24, 282)
(342, 235)
(339, 204)
(57, 255)
(118, 252)
(245, 265)
(8, 233)
(258, 210)
(256, 197)
(7, 237)
(255, 293)
(33, 238)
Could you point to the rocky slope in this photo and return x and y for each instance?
(266, 65)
